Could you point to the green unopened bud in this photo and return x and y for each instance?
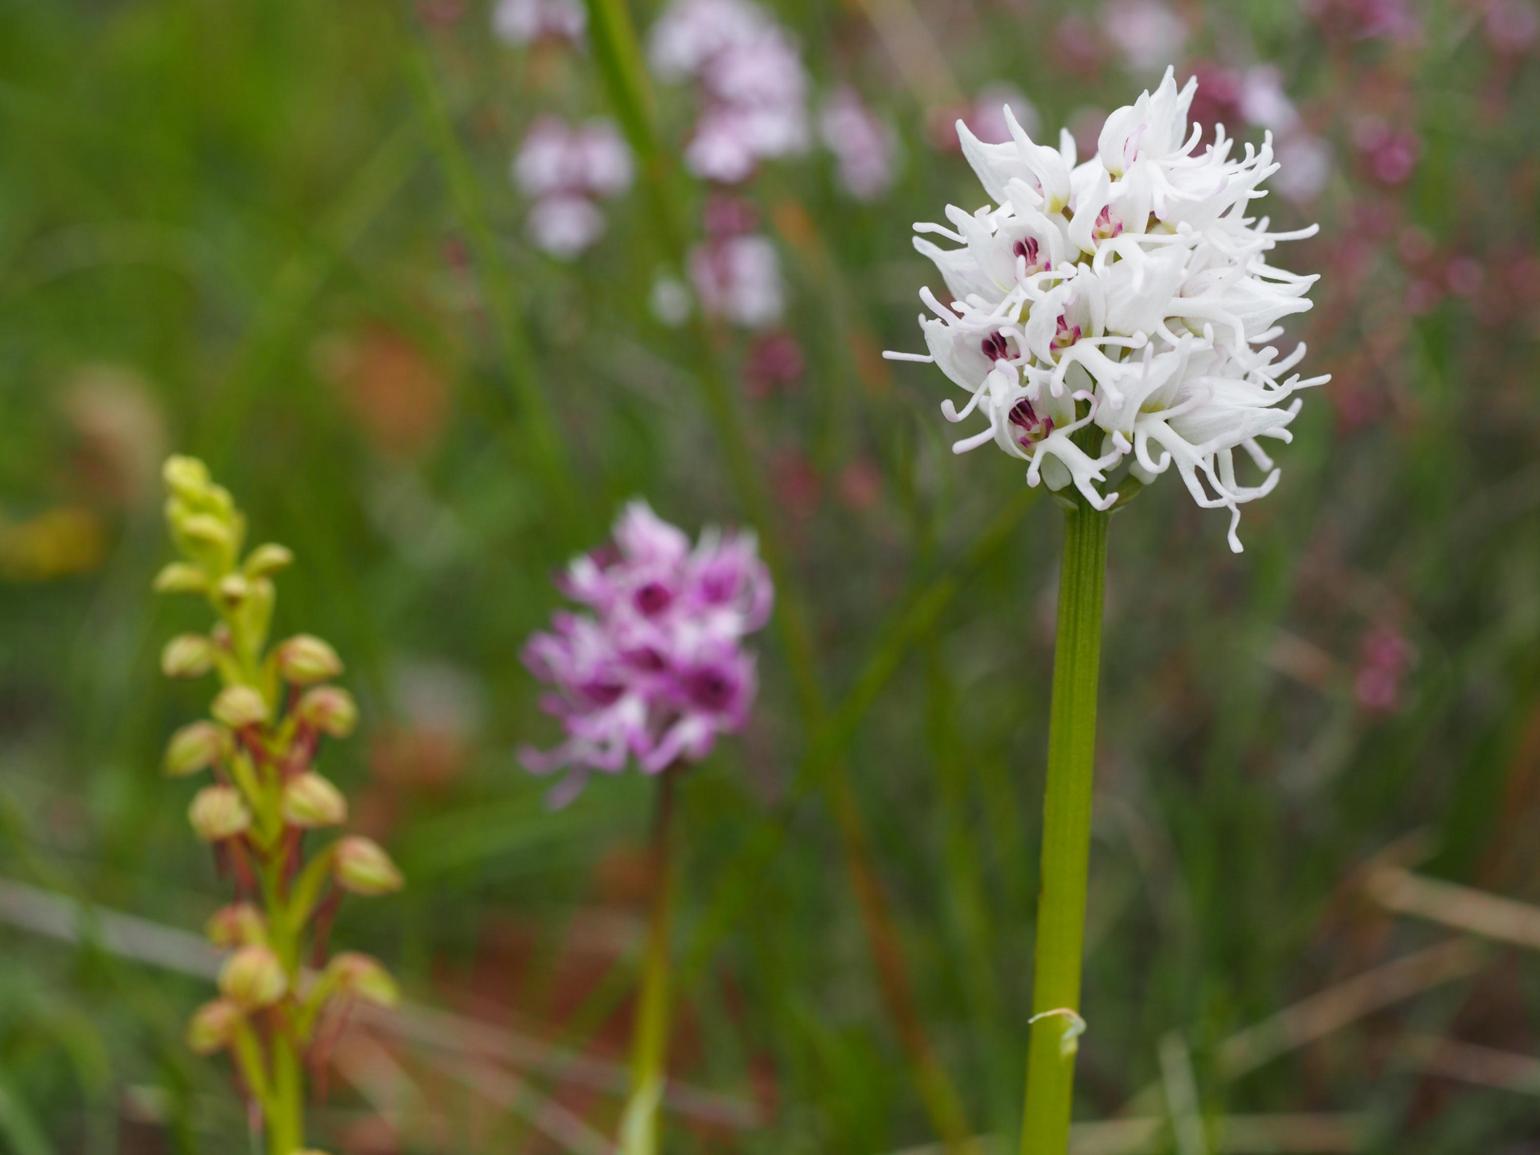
(253, 977)
(240, 706)
(358, 974)
(239, 924)
(187, 656)
(193, 748)
(268, 559)
(213, 1025)
(187, 477)
(234, 589)
(361, 866)
(180, 577)
(206, 528)
(310, 800)
(329, 709)
(305, 659)
(218, 812)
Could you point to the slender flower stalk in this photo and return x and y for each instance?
(269, 721)
(649, 1047)
(1110, 320)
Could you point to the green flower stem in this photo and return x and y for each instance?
(649, 1047)
(285, 1113)
(286, 1117)
(248, 1059)
(1066, 836)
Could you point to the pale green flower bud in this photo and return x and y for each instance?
(217, 813)
(267, 560)
(193, 748)
(239, 924)
(310, 800)
(213, 1026)
(206, 528)
(187, 656)
(358, 974)
(305, 659)
(187, 477)
(361, 866)
(253, 978)
(223, 505)
(180, 577)
(234, 589)
(240, 706)
(329, 709)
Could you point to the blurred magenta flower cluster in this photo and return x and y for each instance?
(656, 668)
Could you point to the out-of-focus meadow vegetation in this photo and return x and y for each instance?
(285, 238)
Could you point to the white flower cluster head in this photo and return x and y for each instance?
(1114, 319)
(753, 85)
(566, 170)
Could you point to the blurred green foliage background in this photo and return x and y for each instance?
(283, 237)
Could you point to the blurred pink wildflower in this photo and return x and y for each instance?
(1385, 658)
(566, 169)
(864, 150)
(528, 21)
(1146, 33)
(736, 272)
(1390, 153)
(751, 79)
(654, 668)
(738, 279)
(1304, 165)
(1512, 26)
(774, 362)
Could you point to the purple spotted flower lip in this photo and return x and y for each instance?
(652, 668)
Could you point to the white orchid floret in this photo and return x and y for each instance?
(1115, 318)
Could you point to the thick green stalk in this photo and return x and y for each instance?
(649, 1044)
(1056, 1023)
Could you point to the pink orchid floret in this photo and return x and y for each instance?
(653, 669)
